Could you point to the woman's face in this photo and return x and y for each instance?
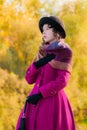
(48, 35)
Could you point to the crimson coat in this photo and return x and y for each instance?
(53, 111)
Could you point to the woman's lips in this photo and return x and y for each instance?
(44, 36)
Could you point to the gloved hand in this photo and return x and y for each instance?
(44, 60)
(33, 99)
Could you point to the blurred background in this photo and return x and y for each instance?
(19, 41)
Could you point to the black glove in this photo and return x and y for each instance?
(33, 99)
(44, 60)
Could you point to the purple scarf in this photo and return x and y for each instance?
(63, 52)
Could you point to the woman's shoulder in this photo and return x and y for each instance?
(64, 49)
(64, 54)
(64, 45)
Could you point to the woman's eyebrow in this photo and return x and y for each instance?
(45, 27)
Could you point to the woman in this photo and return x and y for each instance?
(48, 107)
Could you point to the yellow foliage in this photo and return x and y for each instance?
(19, 41)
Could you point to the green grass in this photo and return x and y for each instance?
(84, 122)
(82, 125)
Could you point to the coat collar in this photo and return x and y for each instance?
(55, 46)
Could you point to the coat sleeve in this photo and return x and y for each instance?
(31, 74)
(53, 87)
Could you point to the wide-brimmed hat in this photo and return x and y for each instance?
(55, 22)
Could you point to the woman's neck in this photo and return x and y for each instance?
(53, 41)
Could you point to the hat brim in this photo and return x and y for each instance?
(48, 20)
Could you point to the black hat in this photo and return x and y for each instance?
(55, 22)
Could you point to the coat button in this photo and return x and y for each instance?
(37, 85)
(28, 72)
(53, 92)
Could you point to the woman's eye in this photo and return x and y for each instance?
(47, 28)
